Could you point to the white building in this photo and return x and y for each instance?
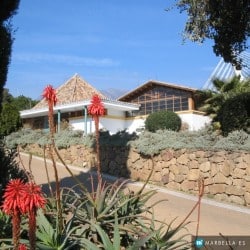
(127, 113)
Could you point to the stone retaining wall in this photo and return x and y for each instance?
(226, 174)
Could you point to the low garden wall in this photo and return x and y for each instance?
(226, 174)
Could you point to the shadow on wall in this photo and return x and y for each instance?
(111, 162)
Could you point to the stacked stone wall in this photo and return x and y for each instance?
(226, 174)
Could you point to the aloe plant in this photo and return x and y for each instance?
(50, 238)
(115, 242)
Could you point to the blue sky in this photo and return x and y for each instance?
(111, 44)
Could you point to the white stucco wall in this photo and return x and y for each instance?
(115, 122)
(113, 125)
(118, 113)
(135, 125)
(78, 124)
(195, 121)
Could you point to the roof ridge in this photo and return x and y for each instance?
(74, 89)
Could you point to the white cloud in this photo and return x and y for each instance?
(64, 59)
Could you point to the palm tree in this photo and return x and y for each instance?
(212, 99)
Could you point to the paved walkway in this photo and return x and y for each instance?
(216, 217)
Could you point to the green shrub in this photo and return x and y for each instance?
(238, 139)
(149, 143)
(9, 119)
(163, 120)
(235, 114)
(63, 139)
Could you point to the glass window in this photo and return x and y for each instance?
(184, 103)
(155, 106)
(162, 105)
(177, 105)
(141, 98)
(170, 105)
(162, 98)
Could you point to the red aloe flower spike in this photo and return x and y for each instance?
(49, 94)
(14, 205)
(14, 197)
(22, 247)
(34, 198)
(96, 108)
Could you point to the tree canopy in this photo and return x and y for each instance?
(211, 100)
(227, 22)
(9, 116)
(7, 9)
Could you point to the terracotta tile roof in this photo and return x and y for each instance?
(74, 90)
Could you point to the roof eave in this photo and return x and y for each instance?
(78, 106)
(151, 83)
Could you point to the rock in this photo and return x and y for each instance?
(167, 155)
(192, 156)
(165, 171)
(214, 169)
(179, 178)
(171, 176)
(247, 198)
(174, 169)
(220, 179)
(238, 173)
(194, 174)
(134, 156)
(248, 170)
(193, 164)
(205, 166)
(137, 165)
(172, 161)
(242, 165)
(218, 159)
(233, 190)
(217, 189)
(173, 185)
(200, 154)
(208, 181)
(206, 175)
(221, 197)
(159, 165)
(148, 164)
(183, 159)
(238, 160)
(135, 175)
(239, 182)
(157, 177)
(247, 186)
(226, 169)
(165, 179)
(188, 185)
(246, 159)
(237, 199)
(183, 169)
